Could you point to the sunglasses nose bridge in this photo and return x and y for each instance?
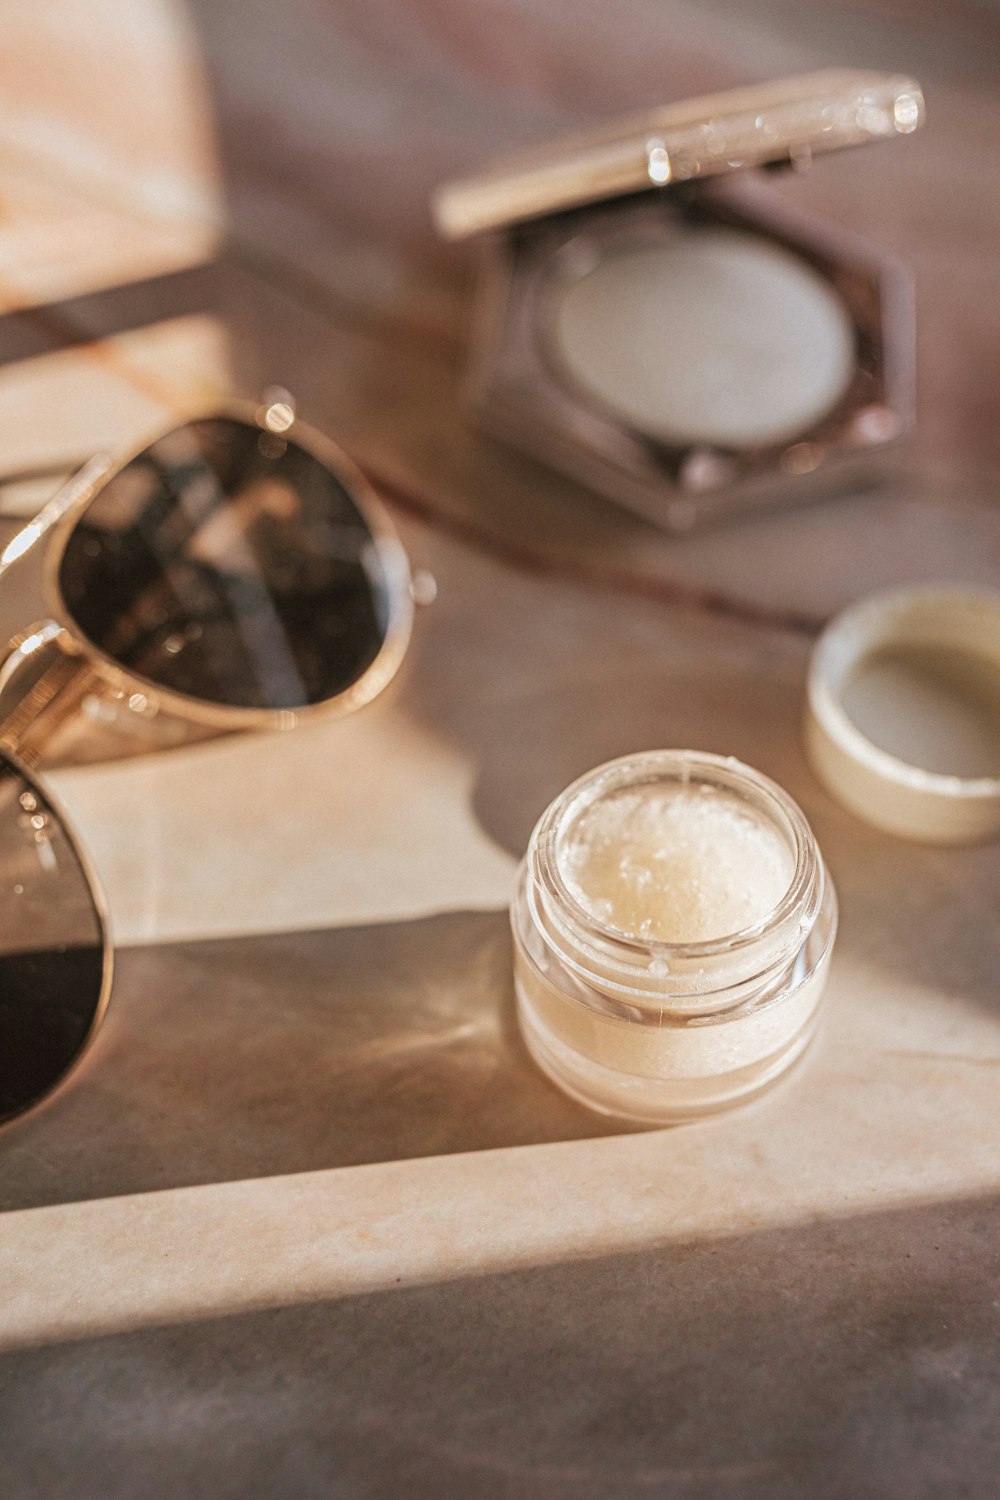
(42, 681)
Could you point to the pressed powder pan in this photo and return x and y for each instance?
(654, 322)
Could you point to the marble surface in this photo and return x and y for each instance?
(307, 1221)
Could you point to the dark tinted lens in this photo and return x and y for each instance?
(228, 564)
(51, 946)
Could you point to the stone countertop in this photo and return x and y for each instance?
(307, 1220)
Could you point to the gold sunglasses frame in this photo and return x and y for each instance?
(57, 520)
(63, 666)
(97, 896)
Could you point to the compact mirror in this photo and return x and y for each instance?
(655, 323)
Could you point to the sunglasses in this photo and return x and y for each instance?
(230, 575)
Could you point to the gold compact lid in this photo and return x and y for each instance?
(791, 119)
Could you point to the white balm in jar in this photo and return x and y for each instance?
(673, 923)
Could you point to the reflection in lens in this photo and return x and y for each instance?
(52, 946)
(230, 565)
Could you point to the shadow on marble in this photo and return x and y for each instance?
(286, 1053)
(44, 327)
(851, 1357)
(547, 680)
(537, 680)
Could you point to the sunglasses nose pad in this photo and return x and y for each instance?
(55, 962)
(276, 410)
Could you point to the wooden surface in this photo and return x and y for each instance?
(308, 1222)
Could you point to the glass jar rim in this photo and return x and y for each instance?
(726, 772)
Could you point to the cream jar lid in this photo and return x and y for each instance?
(790, 119)
(903, 715)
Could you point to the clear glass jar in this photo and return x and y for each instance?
(658, 1032)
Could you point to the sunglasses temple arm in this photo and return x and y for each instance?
(73, 492)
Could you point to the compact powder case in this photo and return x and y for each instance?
(655, 322)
